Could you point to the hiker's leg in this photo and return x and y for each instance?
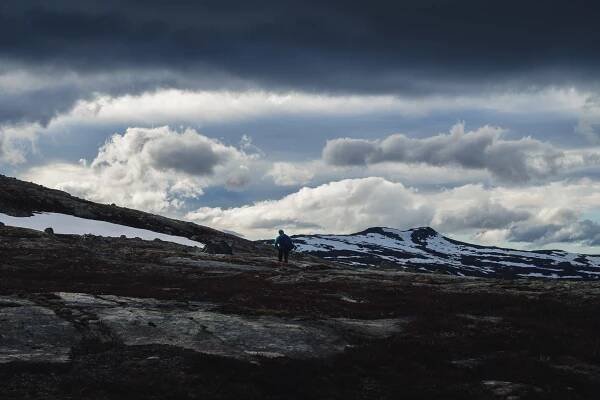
(286, 255)
(280, 254)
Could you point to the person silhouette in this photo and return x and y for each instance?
(284, 245)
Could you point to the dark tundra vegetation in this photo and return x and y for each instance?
(91, 317)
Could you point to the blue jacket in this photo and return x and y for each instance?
(284, 242)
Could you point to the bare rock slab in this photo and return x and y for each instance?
(196, 326)
(32, 333)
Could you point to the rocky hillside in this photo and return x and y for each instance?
(21, 199)
(425, 250)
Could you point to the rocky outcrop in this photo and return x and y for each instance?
(218, 247)
(19, 198)
(199, 327)
(30, 333)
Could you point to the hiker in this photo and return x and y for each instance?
(284, 245)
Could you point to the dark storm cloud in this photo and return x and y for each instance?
(195, 159)
(337, 45)
(39, 105)
(484, 216)
(509, 160)
(408, 47)
(585, 231)
(469, 35)
(40, 93)
(351, 152)
(564, 226)
(187, 152)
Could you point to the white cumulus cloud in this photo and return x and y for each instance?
(497, 215)
(290, 174)
(150, 169)
(16, 141)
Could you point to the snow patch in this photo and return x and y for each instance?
(68, 224)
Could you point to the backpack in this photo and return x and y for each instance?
(286, 242)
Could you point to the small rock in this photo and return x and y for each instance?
(218, 247)
(469, 363)
(510, 390)
(49, 231)
(123, 237)
(1, 223)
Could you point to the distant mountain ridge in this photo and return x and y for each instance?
(425, 250)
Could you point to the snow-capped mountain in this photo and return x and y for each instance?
(425, 250)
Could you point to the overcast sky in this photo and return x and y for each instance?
(480, 119)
